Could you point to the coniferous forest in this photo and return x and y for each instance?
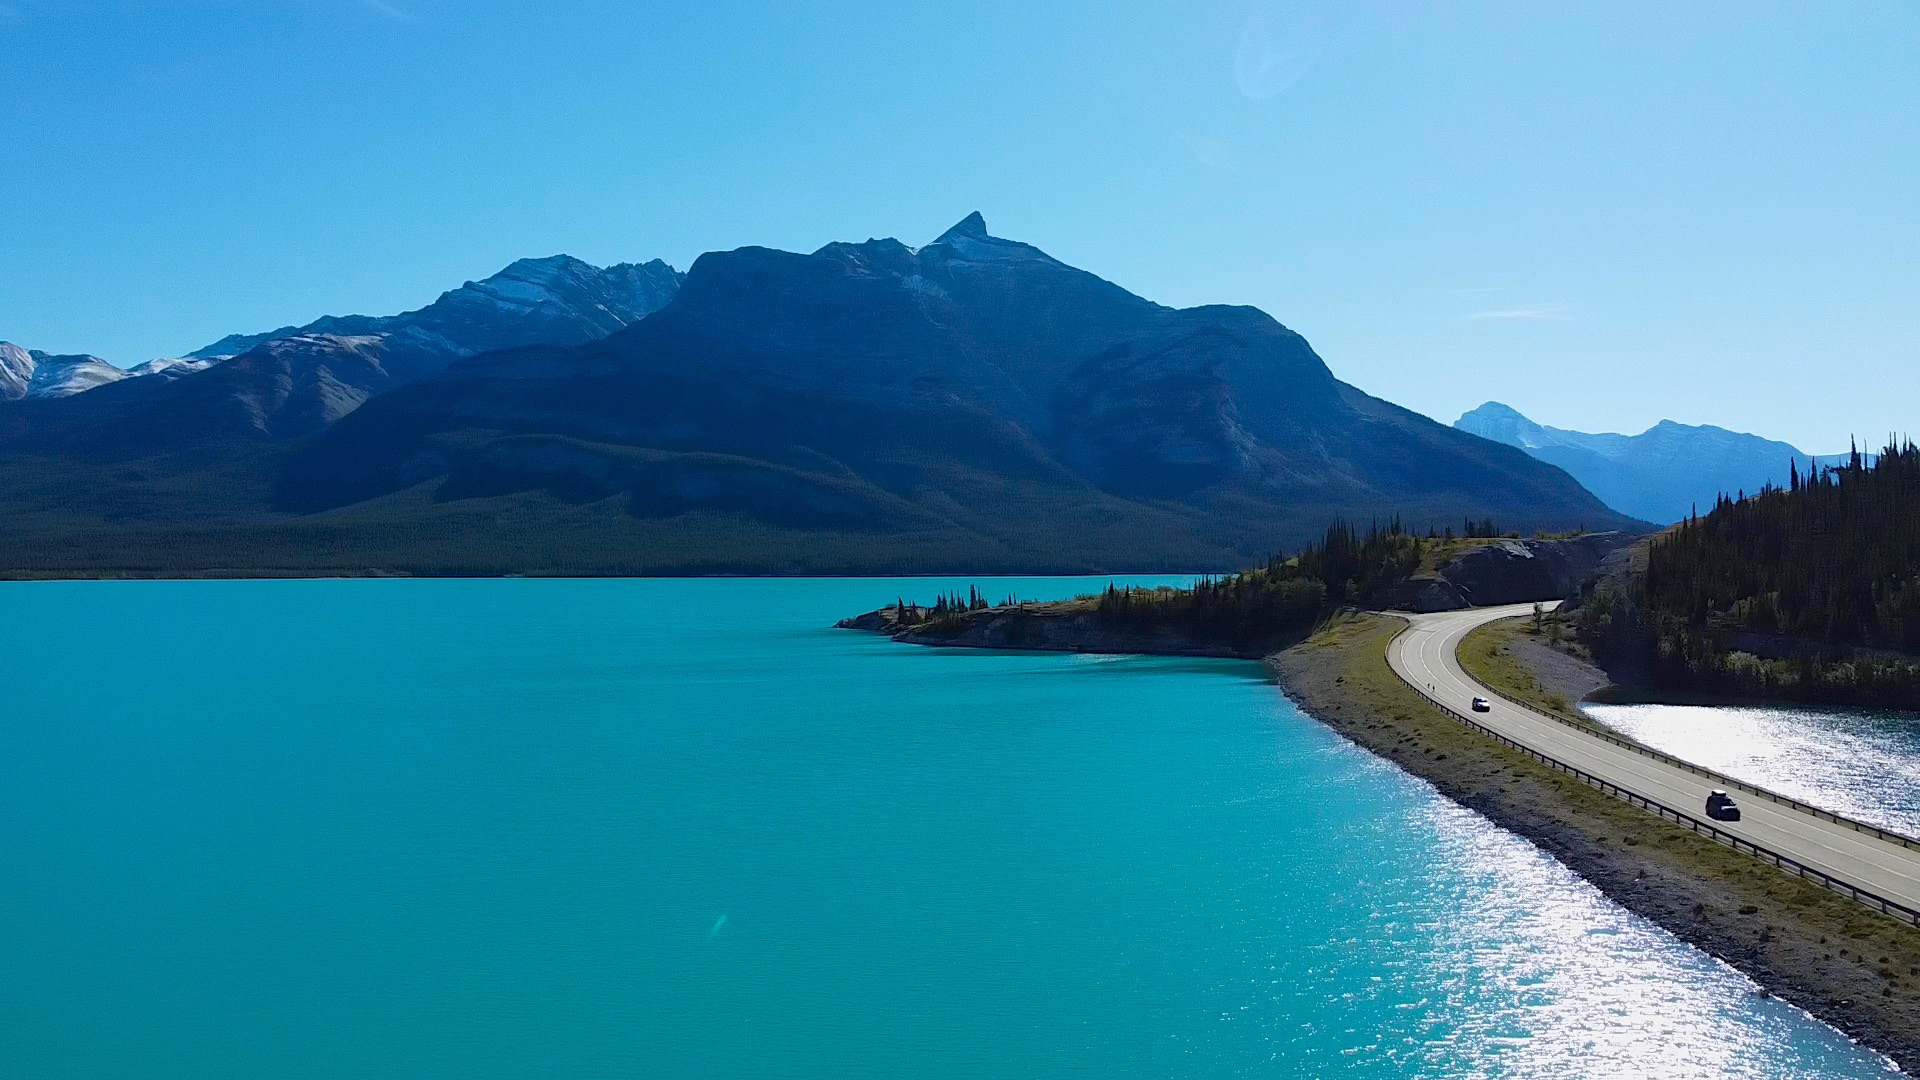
(1288, 595)
(1809, 591)
(1267, 605)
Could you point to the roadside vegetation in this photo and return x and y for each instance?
(1491, 654)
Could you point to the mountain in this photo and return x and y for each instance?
(1661, 474)
(974, 394)
(973, 405)
(558, 300)
(290, 382)
(30, 373)
(280, 390)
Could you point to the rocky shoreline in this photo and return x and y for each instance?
(1052, 627)
(1851, 967)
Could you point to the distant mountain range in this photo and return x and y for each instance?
(30, 373)
(1659, 475)
(971, 405)
(554, 300)
(298, 379)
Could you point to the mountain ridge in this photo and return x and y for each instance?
(31, 373)
(917, 370)
(1662, 474)
(595, 300)
(576, 300)
(970, 405)
(290, 382)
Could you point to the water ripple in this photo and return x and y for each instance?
(1862, 763)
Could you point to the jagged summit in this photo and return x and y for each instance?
(970, 242)
(562, 271)
(971, 227)
(551, 270)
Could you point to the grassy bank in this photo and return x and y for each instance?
(1495, 655)
(1852, 967)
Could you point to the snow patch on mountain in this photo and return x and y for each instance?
(65, 376)
(16, 371)
(522, 292)
(30, 373)
(917, 284)
(556, 300)
(171, 367)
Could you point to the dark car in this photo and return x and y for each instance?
(1481, 704)
(1721, 807)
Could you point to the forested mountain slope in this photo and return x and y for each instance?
(1809, 590)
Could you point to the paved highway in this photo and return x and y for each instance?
(1425, 655)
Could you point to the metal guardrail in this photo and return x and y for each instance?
(1785, 862)
(1725, 781)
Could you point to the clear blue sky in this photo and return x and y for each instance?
(1602, 216)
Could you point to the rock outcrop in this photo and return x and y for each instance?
(1056, 627)
(1510, 572)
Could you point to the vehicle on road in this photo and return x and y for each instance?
(1481, 704)
(1721, 807)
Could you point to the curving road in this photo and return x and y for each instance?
(1425, 655)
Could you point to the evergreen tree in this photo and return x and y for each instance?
(1828, 567)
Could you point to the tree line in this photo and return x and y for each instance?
(1285, 597)
(1809, 590)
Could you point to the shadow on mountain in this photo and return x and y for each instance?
(876, 406)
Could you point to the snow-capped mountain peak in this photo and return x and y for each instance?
(30, 373)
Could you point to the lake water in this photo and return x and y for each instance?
(1858, 762)
(487, 829)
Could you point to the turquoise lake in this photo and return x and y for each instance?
(683, 828)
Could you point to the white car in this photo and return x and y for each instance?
(1481, 704)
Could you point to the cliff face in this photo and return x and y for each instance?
(1510, 572)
